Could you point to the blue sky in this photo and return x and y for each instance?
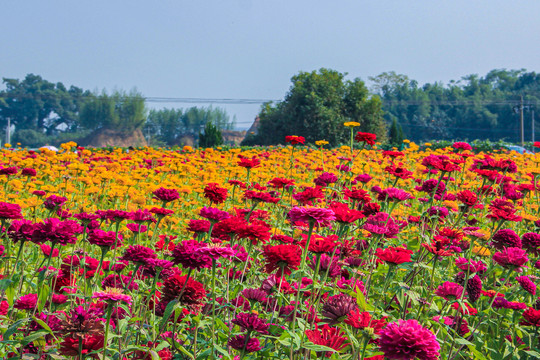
(244, 49)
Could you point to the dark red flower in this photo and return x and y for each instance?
(215, 193)
(251, 322)
(239, 342)
(532, 317)
(506, 238)
(70, 345)
(337, 308)
(192, 294)
(56, 231)
(54, 202)
(282, 258)
(166, 195)
(104, 239)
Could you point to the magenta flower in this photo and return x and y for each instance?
(318, 216)
(10, 211)
(251, 322)
(407, 340)
(186, 254)
(382, 224)
(450, 291)
(239, 342)
(394, 195)
(112, 295)
(213, 214)
(138, 254)
(166, 195)
(56, 231)
(511, 257)
(527, 284)
(506, 238)
(104, 239)
(26, 302)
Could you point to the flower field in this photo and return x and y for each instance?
(273, 253)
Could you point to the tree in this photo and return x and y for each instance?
(317, 105)
(39, 105)
(168, 126)
(395, 134)
(120, 111)
(211, 137)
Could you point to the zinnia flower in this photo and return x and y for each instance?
(527, 284)
(328, 336)
(10, 211)
(511, 258)
(408, 340)
(337, 308)
(251, 322)
(312, 215)
(138, 254)
(394, 255)
(166, 195)
(238, 342)
(215, 193)
(505, 238)
(283, 258)
(112, 295)
(367, 138)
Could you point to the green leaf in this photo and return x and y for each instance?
(43, 297)
(185, 352)
(318, 348)
(34, 336)
(13, 327)
(361, 301)
(167, 313)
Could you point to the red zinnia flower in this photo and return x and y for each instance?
(394, 255)
(282, 257)
(328, 336)
(532, 317)
(294, 140)
(368, 138)
(215, 193)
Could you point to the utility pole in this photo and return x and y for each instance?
(521, 119)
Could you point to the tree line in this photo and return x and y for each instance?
(40, 112)
(316, 106)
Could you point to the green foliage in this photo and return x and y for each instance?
(168, 126)
(39, 105)
(471, 108)
(395, 134)
(211, 137)
(119, 111)
(316, 106)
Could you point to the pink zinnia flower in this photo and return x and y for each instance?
(251, 322)
(213, 214)
(312, 215)
(26, 302)
(527, 284)
(112, 295)
(394, 195)
(10, 211)
(239, 342)
(138, 254)
(382, 224)
(166, 195)
(407, 340)
(450, 290)
(511, 257)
